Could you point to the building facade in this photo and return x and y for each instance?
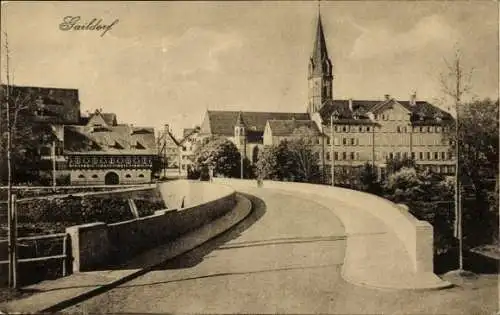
(105, 152)
(345, 132)
(187, 147)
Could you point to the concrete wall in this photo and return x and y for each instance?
(416, 235)
(97, 244)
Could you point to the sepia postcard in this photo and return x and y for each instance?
(249, 157)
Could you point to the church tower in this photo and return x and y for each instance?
(240, 134)
(320, 72)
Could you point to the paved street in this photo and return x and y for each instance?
(285, 258)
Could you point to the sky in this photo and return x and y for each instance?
(168, 62)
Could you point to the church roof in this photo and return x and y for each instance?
(287, 127)
(223, 122)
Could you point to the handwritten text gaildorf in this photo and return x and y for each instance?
(73, 23)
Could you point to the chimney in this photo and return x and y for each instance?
(387, 96)
(350, 104)
(413, 99)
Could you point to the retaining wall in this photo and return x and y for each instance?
(97, 244)
(416, 235)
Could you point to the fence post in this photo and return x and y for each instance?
(65, 253)
(14, 241)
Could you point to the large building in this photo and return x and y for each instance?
(101, 151)
(357, 131)
(91, 150)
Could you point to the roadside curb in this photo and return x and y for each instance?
(241, 210)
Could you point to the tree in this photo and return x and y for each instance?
(304, 158)
(292, 159)
(368, 181)
(395, 164)
(275, 162)
(220, 154)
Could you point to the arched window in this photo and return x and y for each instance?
(81, 176)
(128, 176)
(95, 176)
(141, 176)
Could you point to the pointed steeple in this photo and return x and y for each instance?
(320, 71)
(320, 52)
(239, 120)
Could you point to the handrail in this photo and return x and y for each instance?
(64, 256)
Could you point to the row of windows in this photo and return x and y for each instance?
(353, 129)
(401, 129)
(423, 156)
(422, 129)
(110, 160)
(81, 176)
(343, 156)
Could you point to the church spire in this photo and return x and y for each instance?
(320, 71)
(320, 52)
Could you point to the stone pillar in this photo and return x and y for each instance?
(89, 245)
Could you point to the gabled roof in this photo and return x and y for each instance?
(223, 122)
(362, 107)
(109, 140)
(287, 127)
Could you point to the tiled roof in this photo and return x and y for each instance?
(287, 127)
(62, 104)
(362, 107)
(223, 122)
(111, 140)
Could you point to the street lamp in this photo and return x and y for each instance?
(334, 116)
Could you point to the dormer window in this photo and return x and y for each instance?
(421, 115)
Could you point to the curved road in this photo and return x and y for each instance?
(285, 258)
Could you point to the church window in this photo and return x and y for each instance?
(95, 176)
(141, 175)
(128, 176)
(81, 176)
